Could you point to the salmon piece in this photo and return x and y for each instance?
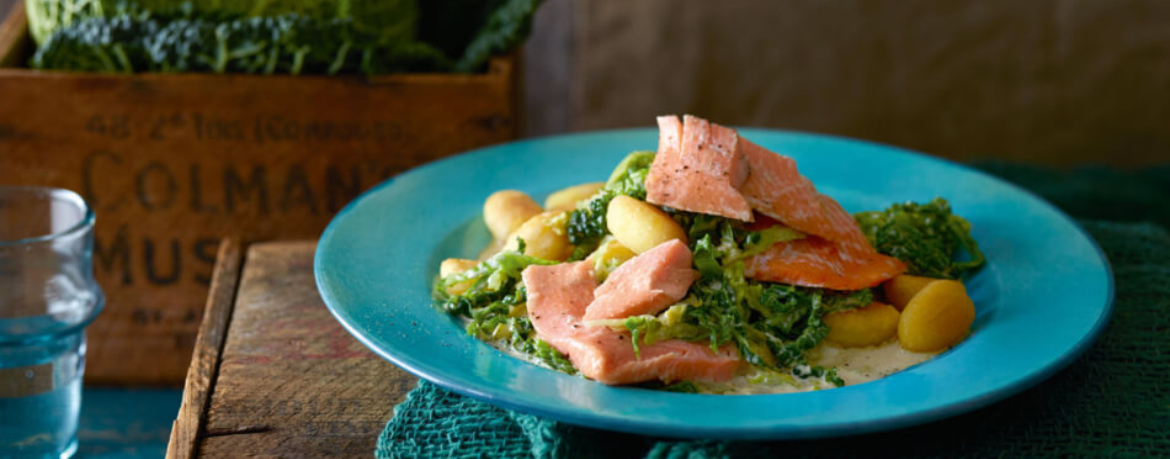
(837, 256)
(775, 188)
(646, 284)
(848, 232)
(558, 296)
(607, 357)
(817, 262)
(699, 168)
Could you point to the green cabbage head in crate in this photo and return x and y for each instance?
(391, 20)
(317, 37)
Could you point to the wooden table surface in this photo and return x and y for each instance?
(291, 382)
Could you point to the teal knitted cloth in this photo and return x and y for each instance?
(1114, 401)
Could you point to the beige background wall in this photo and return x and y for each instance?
(1054, 81)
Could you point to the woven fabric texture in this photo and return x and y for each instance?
(1112, 402)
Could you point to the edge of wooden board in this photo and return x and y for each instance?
(13, 36)
(192, 417)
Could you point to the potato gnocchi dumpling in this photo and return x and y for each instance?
(937, 317)
(544, 237)
(568, 198)
(504, 211)
(453, 266)
(869, 326)
(902, 288)
(641, 226)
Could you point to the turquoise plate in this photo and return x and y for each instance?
(1043, 298)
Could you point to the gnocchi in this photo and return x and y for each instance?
(504, 212)
(938, 317)
(544, 237)
(641, 226)
(902, 288)
(453, 266)
(862, 327)
(568, 198)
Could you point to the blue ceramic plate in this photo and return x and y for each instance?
(1042, 299)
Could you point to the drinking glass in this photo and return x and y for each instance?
(47, 298)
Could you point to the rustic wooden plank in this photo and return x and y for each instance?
(13, 36)
(208, 346)
(174, 163)
(292, 381)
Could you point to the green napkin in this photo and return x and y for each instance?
(1114, 401)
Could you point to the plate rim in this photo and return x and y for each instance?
(594, 420)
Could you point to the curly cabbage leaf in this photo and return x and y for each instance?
(495, 276)
(388, 21)
(284, 44)
(757, 242)
(828, 373)
(504, 29)
(471, 31)
(587, 225)
(926, 237)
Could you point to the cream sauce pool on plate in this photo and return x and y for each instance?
(860, 365)
(854, 366)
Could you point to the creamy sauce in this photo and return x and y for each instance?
(504, 347)
(861, 365)
(854, 366)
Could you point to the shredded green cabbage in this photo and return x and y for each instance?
(926, 237)
(587, 224)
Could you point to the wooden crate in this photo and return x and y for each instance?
(274, 374)
(173, 163)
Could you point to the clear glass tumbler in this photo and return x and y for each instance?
(47, 298)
